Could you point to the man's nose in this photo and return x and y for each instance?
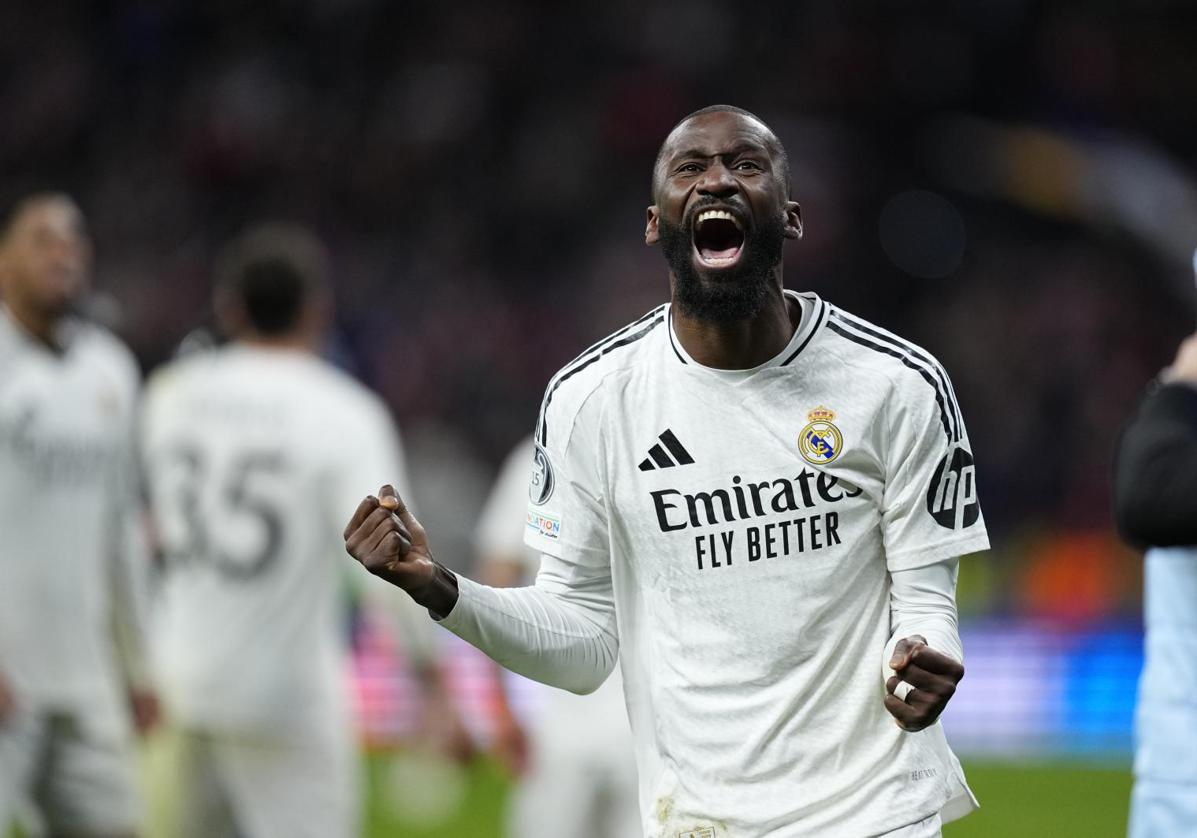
(717, 181)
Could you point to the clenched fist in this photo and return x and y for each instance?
(924, 682)
(389, 542)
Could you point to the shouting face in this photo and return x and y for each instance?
(722, 214)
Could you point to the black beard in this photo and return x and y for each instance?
(739, 293)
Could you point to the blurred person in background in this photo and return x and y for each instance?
(1155, 483)
(756, 502)
(576, 769)
(254, 452)
(73, 563)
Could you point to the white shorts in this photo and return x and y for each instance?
(220, 785)
(72, 772)
(581, 781)
(1163, 809)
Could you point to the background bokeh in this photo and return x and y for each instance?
(1009, 183)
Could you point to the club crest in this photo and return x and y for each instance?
(820, 441)
(540, 489)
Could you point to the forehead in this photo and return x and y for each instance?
(55, 215)
(718, 132)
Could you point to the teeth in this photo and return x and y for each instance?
(707, 215)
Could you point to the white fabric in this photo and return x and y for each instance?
(257, 458)
(89, 788)
(581, 780)
(926, 828)
(1166, 714)
(303, 785)
(747, 593)
(922, 601)
(70, 560)
(500, 529)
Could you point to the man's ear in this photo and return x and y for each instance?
(651, 234)
(793, 227)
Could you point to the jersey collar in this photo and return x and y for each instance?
(814, 315)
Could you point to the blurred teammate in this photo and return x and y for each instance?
(578, 779)
(756, 501)
(71, 562)
(255, 451)
(1156, 504)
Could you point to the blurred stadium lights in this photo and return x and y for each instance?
(922, 233)
(1102, 181)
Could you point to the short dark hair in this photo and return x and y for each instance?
(16, 206)
(272, 271)
(783, 160)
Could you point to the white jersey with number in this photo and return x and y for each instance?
(745, 524)
(257, 459)
(68, 506)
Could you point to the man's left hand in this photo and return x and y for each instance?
(933, 676)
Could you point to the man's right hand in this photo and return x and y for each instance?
(1184, 369)
(389, 542)
(8, 701)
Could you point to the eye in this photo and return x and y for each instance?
(748, 166)
(688, 168)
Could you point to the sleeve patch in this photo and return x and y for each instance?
(952, 495)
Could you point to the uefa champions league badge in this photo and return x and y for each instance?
(820, 442)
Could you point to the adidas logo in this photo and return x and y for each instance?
(658, 458)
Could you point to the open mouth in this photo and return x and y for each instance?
(718, 238)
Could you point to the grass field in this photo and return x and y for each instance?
(1054, 800)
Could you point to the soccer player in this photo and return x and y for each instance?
(755, 501)
(1155, 482)
(72, 562)
(576, 780)
(254, 452)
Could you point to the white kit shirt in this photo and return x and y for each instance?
(744, 523)
(257, 458)
(70, 559)
(500, 532)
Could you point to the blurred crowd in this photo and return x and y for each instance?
(1007, 183)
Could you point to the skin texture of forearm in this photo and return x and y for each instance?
(1155, 470)
(564, 639)
(923, 602)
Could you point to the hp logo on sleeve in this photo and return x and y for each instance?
(952, 496)
(543, 482)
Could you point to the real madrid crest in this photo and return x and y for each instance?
(820, 442)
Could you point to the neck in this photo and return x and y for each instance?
(40, 326)
(740, 344)
(293, 341)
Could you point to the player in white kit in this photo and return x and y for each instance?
(1156, 504)
(72, 564)
(755, 501)
(578, 779)
(255, 451)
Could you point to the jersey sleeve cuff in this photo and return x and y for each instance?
(467, 591)
(924, 555)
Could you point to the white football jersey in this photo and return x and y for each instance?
(68, 512)
(257, 458)
(745, 523)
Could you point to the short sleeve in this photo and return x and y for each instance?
(930, 504)
(566, 513)
(500, 530)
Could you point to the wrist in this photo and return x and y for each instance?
(439, 594)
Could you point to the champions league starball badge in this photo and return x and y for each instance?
(820, 442)
(540, 489)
